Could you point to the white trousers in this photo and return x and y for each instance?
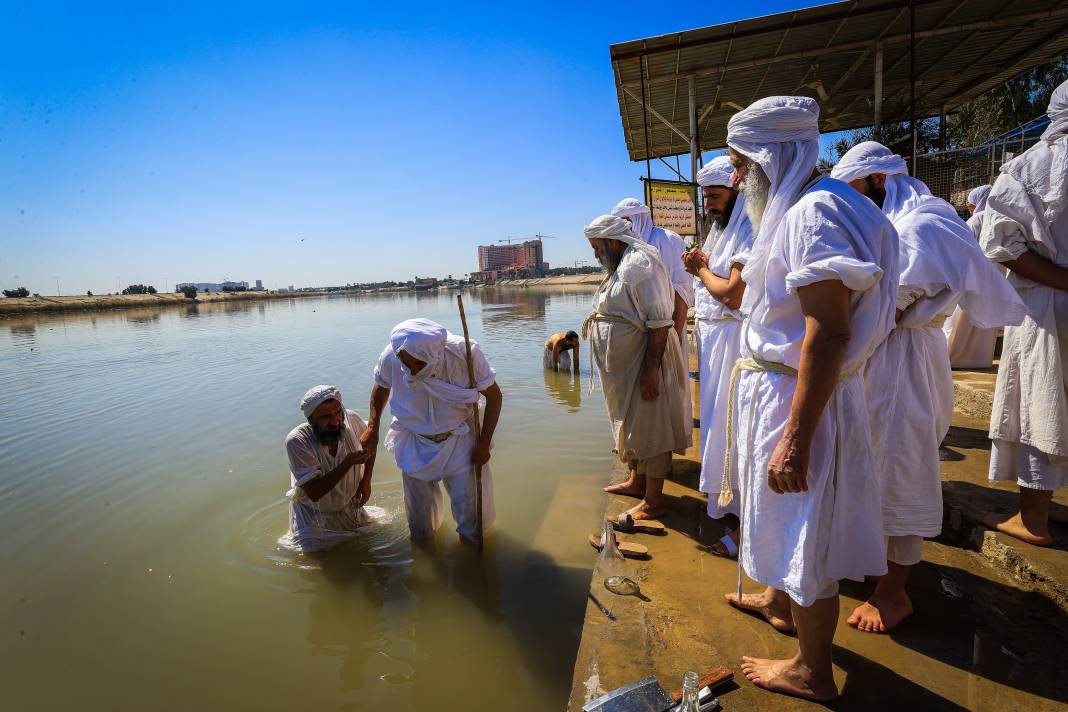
(424, 505)
(904, 550)
(1029, 466)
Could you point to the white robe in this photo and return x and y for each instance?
(909, 384)
(1030, 399)
(717, 334)
(969, 345)
(632, 300)
(416, 413)
(802, 543)
(314, 526)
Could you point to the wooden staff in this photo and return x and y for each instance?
(478, 424)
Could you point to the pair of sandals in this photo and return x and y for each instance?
(629, 525)
(729, 550)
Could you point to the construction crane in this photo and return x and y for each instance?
(538, 236)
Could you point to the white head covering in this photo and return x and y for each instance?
(977, 197)
(780, 134)
(903, 192)
(1057, 113)
(638, 213)
(317, 396)
(425, 340)
(718, 171)
(644, 260)
(1043, 169)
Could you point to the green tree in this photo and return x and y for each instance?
(16, 293)
(190, 291)
(139, 289)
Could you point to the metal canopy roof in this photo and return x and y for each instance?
(963, 49)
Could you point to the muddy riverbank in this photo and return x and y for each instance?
(104, 302)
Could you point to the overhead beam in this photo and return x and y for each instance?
(658, 115)
(1001, 24)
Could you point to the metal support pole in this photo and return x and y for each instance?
(912, 83)
(695, 150)
(942, 136)
(877, 122)
(645, 123)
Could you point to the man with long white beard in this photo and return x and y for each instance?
(718, 290)
(671, 248)
(1025, 228)
(969, 345)
(423, 373)
(639, 359)
(330, 472)
(909, 383)
(821, 285)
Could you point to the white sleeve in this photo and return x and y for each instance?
(303, 459)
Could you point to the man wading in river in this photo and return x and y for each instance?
(432, 436)
(330, 473)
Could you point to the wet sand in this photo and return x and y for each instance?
(988, 612)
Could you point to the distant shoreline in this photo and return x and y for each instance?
(25, 306)
(40, 305)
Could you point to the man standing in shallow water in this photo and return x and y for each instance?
(562, 352)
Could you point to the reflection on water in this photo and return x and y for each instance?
(141, 508)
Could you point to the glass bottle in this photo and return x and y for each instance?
(611, 561)
(689, 702)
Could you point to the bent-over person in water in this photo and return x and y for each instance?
(639, 359)
(330, 472)
(423, 374)
(558, 352)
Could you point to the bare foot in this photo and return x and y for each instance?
(880, 614)
(777, 613)
(644, 510)
(1014, 526)
(631, 487)
(788, 677)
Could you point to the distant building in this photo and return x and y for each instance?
(483, 276)
(259, 285)
(211, 286)
(524, 258)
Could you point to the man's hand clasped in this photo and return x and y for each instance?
(694, 261)
(788, 467)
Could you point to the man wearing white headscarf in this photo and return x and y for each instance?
(909, 384)
(639, 359)
(821, 285)
(432, 436)
(671, 248)
(330, 472)
(969, 345)
(1025, 228)
(718, 289)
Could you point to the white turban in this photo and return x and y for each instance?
(903, 193)
(781, 134)
(644, 259)
(978, 196)
(718, 171)
(638, 213)
(422, 339)
(1057, 113)
(425, 340)
(316, 397)
(867, 158)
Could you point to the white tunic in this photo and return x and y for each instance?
(671, 248)
(314, 526)
(802, 543)
(1030, 401)
(632, 300)
(717, 331)
(417, 413)
(969, 345)
(909, 384)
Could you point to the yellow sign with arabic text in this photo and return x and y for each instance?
(672, 206)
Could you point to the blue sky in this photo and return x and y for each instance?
(195, 141)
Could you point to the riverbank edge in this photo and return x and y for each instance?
(42, 305)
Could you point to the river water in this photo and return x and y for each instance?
(141, 503)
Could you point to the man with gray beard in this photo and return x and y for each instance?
(639, 359)
(821, 288)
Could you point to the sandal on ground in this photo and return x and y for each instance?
(629, 550)
(728, 544)
(626, 523)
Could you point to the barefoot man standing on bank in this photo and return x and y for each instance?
(821, 286)
(637, 354)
